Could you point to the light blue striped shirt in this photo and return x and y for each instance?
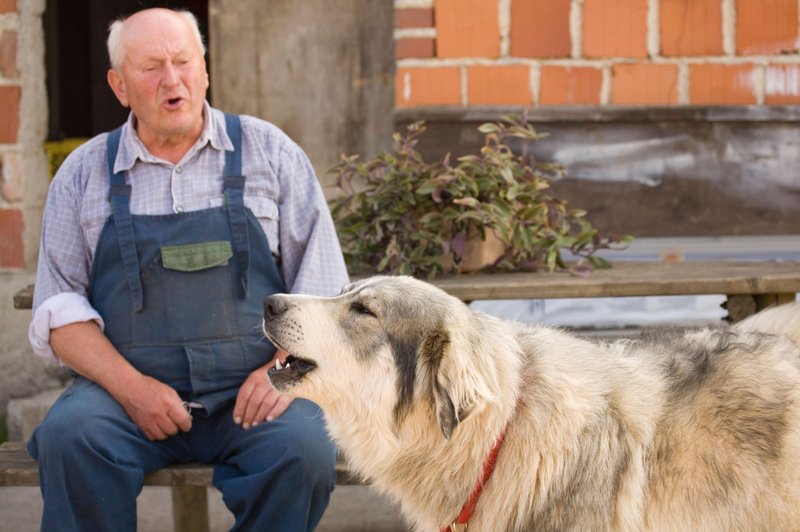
(281, 189)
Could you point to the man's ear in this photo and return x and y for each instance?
(117, 85)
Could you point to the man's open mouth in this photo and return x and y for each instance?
(173, 103)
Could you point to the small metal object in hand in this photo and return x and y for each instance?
(188, 405)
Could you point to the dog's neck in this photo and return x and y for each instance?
(417, 454)
(488, 468)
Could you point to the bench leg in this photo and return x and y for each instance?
(768, 300)
(740, 306)
(190, 508)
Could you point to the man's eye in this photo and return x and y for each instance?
(360, 308)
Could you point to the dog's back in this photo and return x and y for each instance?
(783, 320)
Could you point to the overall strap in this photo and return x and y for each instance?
(120, 194)
(234, 198)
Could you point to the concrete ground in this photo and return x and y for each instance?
(352, 509)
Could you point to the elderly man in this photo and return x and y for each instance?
(160, 241)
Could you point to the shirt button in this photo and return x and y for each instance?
(179, 208)
(178, 169)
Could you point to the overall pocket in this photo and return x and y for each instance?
(189, 289)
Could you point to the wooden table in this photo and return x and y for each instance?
(749, 285)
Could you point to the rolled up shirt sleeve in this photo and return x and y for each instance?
(57, 311)
(62, 275)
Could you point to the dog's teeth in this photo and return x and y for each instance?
(278, 365)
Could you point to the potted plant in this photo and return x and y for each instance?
(399, 214)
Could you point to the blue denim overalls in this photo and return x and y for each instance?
(181, 297)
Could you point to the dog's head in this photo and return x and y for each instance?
(384, 345)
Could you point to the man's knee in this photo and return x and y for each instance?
(63, 433)
(75, 425)
(298, 444)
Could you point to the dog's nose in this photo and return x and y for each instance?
(274, 306)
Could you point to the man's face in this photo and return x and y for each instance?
(162, 77)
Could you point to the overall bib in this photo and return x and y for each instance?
(181, 294)
(181, 297)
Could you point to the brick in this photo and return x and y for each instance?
(712, 84)
(540, 28)
(615, 28)
(12, 250)
(10, 177)
(782, 85)
(414, 47)
(467, 28)
(8, 54)
(499, 85)
(644, 84)
(428, 86)
(570, 85)
(9, 114)
(413, 18)
(8, 6)
(766, 26)
(691, 27)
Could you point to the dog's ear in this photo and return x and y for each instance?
(451, 403)
(445, 410)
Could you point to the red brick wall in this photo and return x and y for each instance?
(597, 52)
(12, 224)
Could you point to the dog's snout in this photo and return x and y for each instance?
(274, 306)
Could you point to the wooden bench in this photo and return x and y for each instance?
(189, 483)
(749, 286)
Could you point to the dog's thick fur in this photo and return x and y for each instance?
(693, 430)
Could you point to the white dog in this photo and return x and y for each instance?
(692, 430)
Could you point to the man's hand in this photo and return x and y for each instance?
(156, 408)
(258, 400)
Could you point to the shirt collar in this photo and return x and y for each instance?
(131, 147)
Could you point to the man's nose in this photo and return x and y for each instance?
(170, 76)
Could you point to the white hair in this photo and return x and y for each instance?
(115, 49)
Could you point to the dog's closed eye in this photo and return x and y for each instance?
(360, 308)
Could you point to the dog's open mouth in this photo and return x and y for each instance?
(292, 369)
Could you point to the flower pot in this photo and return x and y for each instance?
(478, 254)
(482, 253)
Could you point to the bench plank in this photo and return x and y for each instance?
(189, 483)
(17, 468)
(631, 279)
(623, 279)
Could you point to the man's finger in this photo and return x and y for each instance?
(181, 418)
(242, 398)
(279, 407)
(253, 406)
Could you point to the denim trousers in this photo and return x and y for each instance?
(92, 460)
